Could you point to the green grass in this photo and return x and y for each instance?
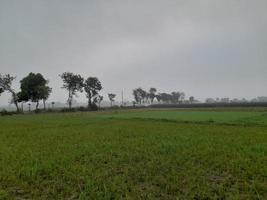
(217, 116)
(134, 155)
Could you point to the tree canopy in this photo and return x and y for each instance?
(34, 87)
(92, 86)
(72, 83)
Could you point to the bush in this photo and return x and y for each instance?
(81, 108)
(67, 110)
(37, 111)
(4, 112)
(93, 107)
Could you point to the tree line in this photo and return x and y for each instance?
(141, 96)
(34, 88)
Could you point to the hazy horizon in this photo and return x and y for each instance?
(208, 48)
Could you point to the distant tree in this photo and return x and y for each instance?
(158, 97)
(29, 106)
(177, 97)
(72, 83)
(92, 86)
(210, 100)
(99, 99)
(166, 98)
(1, 91)
(6, 85)
(139, 95)
(111, 98)
(152, 94)
(191, 99)
(225, 100)
(53, 104)
(34, 87)
(144, 95)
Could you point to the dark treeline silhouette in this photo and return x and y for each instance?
(34, 88)
(141, 96)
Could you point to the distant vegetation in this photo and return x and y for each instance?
(34, 88)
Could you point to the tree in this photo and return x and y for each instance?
(45, 93)
(99, 99)
(72, 83)
(152, 94)
(1, 91)
(139, 95)
(177, 97)
(34, 87)
(191, 99)
(22, 98)
(165, 97)
(111, 98)
(92, 86)
(6, 85)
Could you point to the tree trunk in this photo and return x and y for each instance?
(14, 96)
(17, 106)
(22, 106)
(44, 104)
(89, 101)
(70, 100)
(37, 105)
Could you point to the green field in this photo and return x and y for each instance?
(137, 154)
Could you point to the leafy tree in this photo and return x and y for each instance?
(152, 94)
(111, 98)
(34, 87)
(139, 95)
(165, 97)
(92, 86)
(45, 93)
(6, 85)
(22, 98)
(73, 83)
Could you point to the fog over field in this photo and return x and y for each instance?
(207, 48)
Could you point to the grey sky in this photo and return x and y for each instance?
(206, 48)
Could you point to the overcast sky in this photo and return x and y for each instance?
(206, 48)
